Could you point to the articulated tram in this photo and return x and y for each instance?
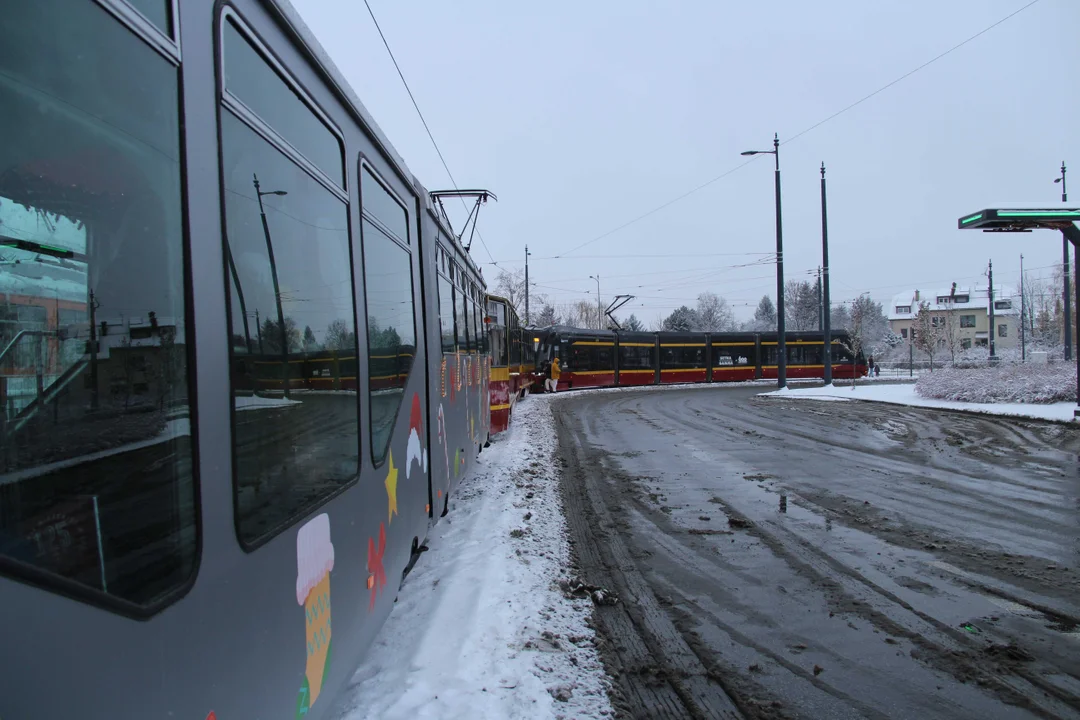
(602, 358)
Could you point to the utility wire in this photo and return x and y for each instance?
(799, 134)
(428, 129)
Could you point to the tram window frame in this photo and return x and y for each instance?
(631, 357)
(386, 231)
(682, 357)
(447, 336)
(134, 34)
(308, 192)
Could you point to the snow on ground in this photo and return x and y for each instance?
(904, 394)
(253, 402)
(480, 628)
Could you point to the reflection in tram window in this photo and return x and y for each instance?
(291, 298)
(96, 481)
(391, 326)
(446, 313)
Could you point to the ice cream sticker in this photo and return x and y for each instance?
(414, 450)
(314, 561)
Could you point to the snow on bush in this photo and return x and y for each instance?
(1006, 383)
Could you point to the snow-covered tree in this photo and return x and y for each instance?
(765, 316)
(546, 317)
(682, 319)
(714, 314)
(632, 324)
(800, 306)
(925, 333)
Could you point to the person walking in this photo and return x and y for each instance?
(552, 382)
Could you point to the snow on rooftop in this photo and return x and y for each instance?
(977, 299)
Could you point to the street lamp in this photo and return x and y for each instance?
(781, 345)
(277, 288)
(599, 310)
(826, 303)
(1065, 270)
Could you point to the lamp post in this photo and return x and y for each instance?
(825, 303)
(1065, 270)
(781, 345)
(527, 254)
(277, 288)
(599, 307)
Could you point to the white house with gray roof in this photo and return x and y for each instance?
(970, 310)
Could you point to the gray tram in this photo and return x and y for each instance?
(243, 364)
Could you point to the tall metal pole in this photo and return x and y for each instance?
(991, 294)
(819, 313)
(781, 343)
(277, 295)
(526, 286)
(1065, 273)
(1023, 340)
(826, 304)
(599, 306)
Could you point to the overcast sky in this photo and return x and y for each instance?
(583, 116)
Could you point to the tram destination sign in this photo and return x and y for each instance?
(1019, 219)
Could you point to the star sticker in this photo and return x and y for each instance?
(375, 565)
(391, 487)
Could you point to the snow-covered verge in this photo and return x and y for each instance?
(1026, 383)
(904, 394)
(481, 629)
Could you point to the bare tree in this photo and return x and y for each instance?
(714, 313)
(510, 284)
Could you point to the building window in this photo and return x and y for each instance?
(1003, 304)
(967, 321)
(903, 309)
(904, 333)
(96, 475)
(388, 291)
(965, 343)
(961, 299)
(1003, 330)
(937, 321)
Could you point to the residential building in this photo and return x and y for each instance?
(963, 312)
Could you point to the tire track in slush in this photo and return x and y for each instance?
(660, 674)
(723, 423)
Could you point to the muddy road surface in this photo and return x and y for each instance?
(779, 558)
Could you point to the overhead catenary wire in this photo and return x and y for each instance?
(424, 121)
(801, 133)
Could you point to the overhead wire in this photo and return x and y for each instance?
(424, 121)
(799, 134)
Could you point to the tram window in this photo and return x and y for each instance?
(635, 358)
(258, 86)
(796, 355)
(383, 207)
(682, 357)
(812, 354)
(459, 310)
(446, 314)
(156, 11)
(96, 472)
(770, 354)
(391, 321)
(605, 358)
(515, 347)
(286, 462)
(478, 342)
(497, 340)
(582, 358)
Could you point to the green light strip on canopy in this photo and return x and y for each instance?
(973, 218)
(1039, 213)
